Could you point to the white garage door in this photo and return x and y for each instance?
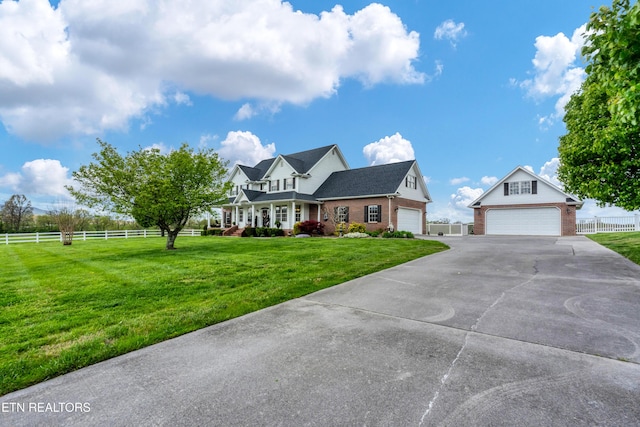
(409, 220)
(524, 222)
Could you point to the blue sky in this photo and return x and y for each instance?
(469, 89)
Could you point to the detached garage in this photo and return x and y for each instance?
(524, 204)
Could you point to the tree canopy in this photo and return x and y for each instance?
(600, 153)
(16, 212)
(162, 190)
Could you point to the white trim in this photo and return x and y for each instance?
(578, 203)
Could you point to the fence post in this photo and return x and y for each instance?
(106, 234)
(126, 234)
(37, 237)
(84, 236)
(636, 218)
(6, 238)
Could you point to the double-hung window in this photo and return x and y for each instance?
(410, 182)
(275, 185)
(289, 183)
(281, 213)
(341, 214)
(520, 187)
(373, 213)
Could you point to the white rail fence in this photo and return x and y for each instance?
(612, 224)
(86, 235)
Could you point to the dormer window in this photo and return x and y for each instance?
(520, 187)
(289, 183)
(410, 182)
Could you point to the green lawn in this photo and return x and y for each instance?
(65, 307)
(626, 244)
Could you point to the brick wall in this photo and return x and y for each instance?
(568, 219)
(356, 212)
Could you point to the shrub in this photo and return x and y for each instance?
(296, 228)
(398, 235)
(212, 232)
(262, 232)
(248, 232)
(311, 226)
(341, 227)
(375, 233)
(356, 227)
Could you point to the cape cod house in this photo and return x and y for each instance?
(523, 203)
(318, 184)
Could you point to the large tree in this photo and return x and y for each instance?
(600, 153)
(16, 212)
(162, 190)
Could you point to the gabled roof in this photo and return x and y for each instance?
(367, 181)
(570, 199)
(254, 174)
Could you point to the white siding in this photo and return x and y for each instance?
(413, 193)
(331, 162)
(546, 193)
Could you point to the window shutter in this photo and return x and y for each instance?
(346, 214)
(506, 188)
(379, 213)
(366, 214)
(293, 182)
(534, 187)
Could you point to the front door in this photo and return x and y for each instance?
(265, 217)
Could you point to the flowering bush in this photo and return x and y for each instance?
(311, 226)
(355, 235)
(356, 227)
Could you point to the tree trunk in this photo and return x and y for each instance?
(171, 238)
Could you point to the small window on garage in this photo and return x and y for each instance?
(520, 187)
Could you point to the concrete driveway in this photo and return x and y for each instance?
(496, 331)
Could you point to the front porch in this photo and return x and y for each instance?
(272, 215)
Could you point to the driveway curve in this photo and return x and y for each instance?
(495, 331)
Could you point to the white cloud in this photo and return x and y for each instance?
(389, 149)
(85, 67)
(456, 207)
(549, 171)
(488, 180)
(45, 177)
(161, 146)
(449, 30)
(245, 148)
(556, 73)
(182, 98)
(464, 196)
(247, 110)
(458, 181)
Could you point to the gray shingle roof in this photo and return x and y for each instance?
(261, 196)
(302, 162)
(372, 180)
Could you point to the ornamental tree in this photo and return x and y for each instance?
(600, 153)
(162, 190)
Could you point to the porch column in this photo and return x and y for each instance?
(272, 215)
(292, 217)
(235, 212)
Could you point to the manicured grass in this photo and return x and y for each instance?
(626, 244)
(65, 307)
